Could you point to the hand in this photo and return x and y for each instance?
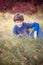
(19, 35)
(35, 35)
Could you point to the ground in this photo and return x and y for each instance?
(22, 50)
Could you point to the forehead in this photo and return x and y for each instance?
(19, 21)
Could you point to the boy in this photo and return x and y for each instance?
(22, 28)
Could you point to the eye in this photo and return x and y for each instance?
(16, 21)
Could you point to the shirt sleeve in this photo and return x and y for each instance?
(31, 25)
(36, 27)
(15, 30)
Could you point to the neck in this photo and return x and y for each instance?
(19, 25)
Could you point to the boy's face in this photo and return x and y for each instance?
(19, 23)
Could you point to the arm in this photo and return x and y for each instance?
(35, 35)
(29, 25)
(15, 31)
(36, 28)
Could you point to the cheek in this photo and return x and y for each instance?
(15, 23)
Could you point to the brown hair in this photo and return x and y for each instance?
(18, 17)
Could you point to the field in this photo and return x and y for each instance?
(22, 50)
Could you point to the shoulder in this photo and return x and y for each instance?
(25, 23)
(35, 23)
(15, 27)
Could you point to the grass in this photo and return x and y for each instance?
(25, 51)
(19, 50)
